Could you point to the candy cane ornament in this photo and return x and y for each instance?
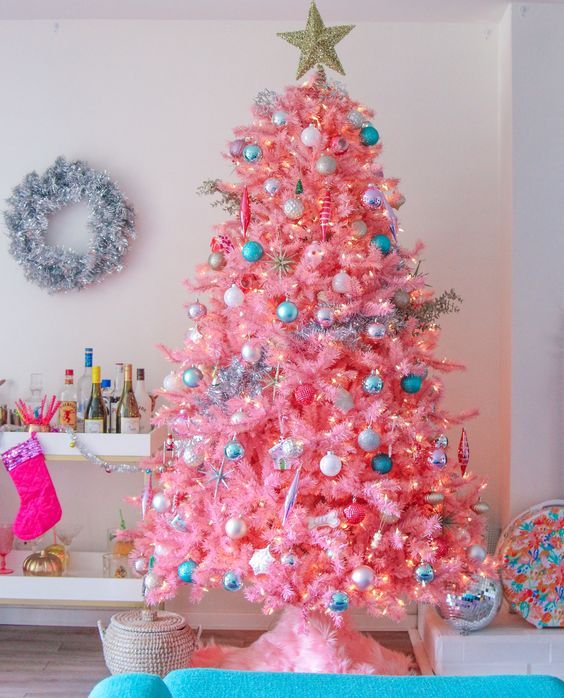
(325, 216)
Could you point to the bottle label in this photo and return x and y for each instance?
(88, 359)
(93, 426)
(67, 413)
(129, 425)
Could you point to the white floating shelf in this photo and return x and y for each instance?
(111, 447)
(84, 584)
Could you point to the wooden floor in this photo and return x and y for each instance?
(68, 662)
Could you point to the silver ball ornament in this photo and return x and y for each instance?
(481, 508)
(438, 458)
(362, 577)
(326, 165)
(250, 352)
(236, 528)
(217, 261)
(141, 565)
(477, 553)
(272, 185)
(355, 118)
(311, 136)
(359, 228)
(441, 441)
(293, 208)
(434, 498)
(376, 330)
(197, 310)
(330, 465)
(161, 502)
(368, 440)
(325, 317)
(280, 118)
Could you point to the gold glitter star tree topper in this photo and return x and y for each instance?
(317, 43)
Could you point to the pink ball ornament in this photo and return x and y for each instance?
(359, 229)
(362, 577)
(341, 282)
(250, 352)
(314, 254)
(236, 147)
(339, 145)
(304, 394)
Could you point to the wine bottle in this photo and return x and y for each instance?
(143, 402)
(67, 408)
(116, 396)
(95, 413)
(107, 397)
(84, 388)
(127, 419)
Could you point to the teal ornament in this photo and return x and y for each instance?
(252, 251)
(372, 384)
(287, 311)
(369, 135)
(232, 581)
(411, 383)
(382, 242)
(234, 450)
(339, 602)
(279, 118)
(252, 152)
(424, 573)
(381, 463)
(185, 570)
(192, 377)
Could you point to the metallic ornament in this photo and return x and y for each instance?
(330, 465)
(372, 384)
(252, 251)
(368, 440)
(441, 441)
(280, 118)
(289, 559)
(339, 145)
(434, 498)
(355, 118)
(232, 581)
(291, 496)
(354, 512)
(311, 136)
(424, 573)
(481, 507)
(359, 228)
(261, 560)
(292, 448)
(287, 312)
(476, 607)
(325, 317)
(326, 165)
(476, 553)
(281, 262)
(217, 261)
(172, 382)
(362, 577)
(141, 565)
(293, 208)
(192, 377)
(185, 571)
(401, 298)
(250, 352)
(341, 282)
(325, 215)
(245, 211)
(272, 185)
(369, 135)
(382, 242)
(339, 602)
(411, 383)
(161, 502)
(42, 564)
(372, 197)
(252, 152)
(463, 452)
(233, 297)
(314, 253)
(234, 450)
(197, 310)
(381, 463)
(438, 458)
(376, 330)
(219, 477)
(236, 528)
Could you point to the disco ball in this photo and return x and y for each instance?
(476, 607)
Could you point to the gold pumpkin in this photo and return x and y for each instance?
(42, 564)
(59, 550)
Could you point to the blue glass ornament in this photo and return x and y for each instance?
(424, 573)
(192, 377)
(232, 581)
(279, 118)
(252, 251)
(252, 152)
(185, 570)
(381, 463)
(233, 450)
(372, 384)
(339, 602)
(382, 242)
(287, 311)
(369, 135)
(411, 383)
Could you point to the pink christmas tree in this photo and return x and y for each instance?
(308, 464)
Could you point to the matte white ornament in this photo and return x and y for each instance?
(311, 136)
(233, 297)
(161, 502)
(330, 464)
(235, 528)
(341, 282)
(293, 208)
(173, 382)
(250, 352)
(362, 577)
(359, 228)
(261, 560)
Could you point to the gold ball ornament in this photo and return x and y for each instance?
(42, 564)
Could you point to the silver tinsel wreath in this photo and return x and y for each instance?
(110, 225)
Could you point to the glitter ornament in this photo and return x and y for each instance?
(236, 147)
(424, 573)
(252, 152)
(411, 383)
(325, 317)
(372, 198)
(280, 118)
(326, 165)
(359, 229)
(355, 118)
(401, 298)
(287, 312)
(217, 261)
(369, 135)
(234, 450)
(481, 508)
(477, 553)
(372, 384)
(438, 458)
(172, 382)
(293, 208)
(339, 145)
(475, 607)
(185, 571)
(339, 602)
(232, 581)
(304, 394)
(341, 282)
(250, 352)
(311, 136)
(362, 577)
(314, 254)
(252, 251)
(236, 528)
(192, 377)
(330, 464)
(292, 448)
(272, 185)
(197, 310)
(382, 242)
(233, 297)
(434, 498)
(381, 463)
(161, 502)
(368, 440)
(354, 512)
(191, 456)
(375, 330)
(441, 441)
(152, 580)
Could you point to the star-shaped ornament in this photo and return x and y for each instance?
(317, 43)
(272, 381)
(281, 262)
(261, 560)
(219, 476)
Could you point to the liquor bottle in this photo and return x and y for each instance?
(84, 388)
(115, 398)
(95, 412)
(127, 418)
(67, 408)
(143, 402)
(107, 397)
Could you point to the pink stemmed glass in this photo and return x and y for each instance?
(6, 543)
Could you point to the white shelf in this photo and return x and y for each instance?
(84, 584)
(111, 447)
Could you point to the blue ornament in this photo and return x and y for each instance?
(381, 463)
(279, 118)
(234, 450)
(232, 581)
(192, 377)
(424, 573)
(372, 384)
(382, 242)
(369, 135)
(185, 570)
(287, 311)
(252, 251)
(252, 152)
(339, 602)
(411, 383)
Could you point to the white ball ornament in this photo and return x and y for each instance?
(368, 440)
(235, 528)
(362, 577)
(272, 185)
(314, 253)
(161, 502)
(311, 136)
(477, 553)
(172, 382)
(141, 565)
(359, 229)
(293, 208)
(233, 297)
(341, 282)
(326, 165)
(250, 352)
(152, 580)
(330, 465)
(325, 317)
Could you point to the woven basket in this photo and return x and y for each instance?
(152, 642)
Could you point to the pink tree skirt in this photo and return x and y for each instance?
(312, 647)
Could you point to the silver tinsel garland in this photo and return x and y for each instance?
(237, 379)
(75, 442)
(111, 226)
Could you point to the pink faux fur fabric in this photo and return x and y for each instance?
(315, 647)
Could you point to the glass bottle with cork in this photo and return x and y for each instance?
(127, 417)
(95, 414)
